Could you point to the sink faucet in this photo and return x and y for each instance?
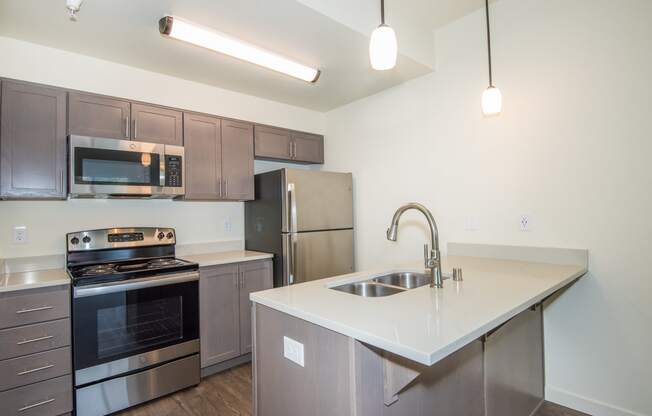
(431, 256)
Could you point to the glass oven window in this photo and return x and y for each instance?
(128, 328)
(112, 326)
(116, 167)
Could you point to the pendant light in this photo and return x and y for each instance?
(492, 99)
(383, 47)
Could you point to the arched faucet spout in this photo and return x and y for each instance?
(431, 256)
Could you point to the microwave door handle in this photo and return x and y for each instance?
(163, 174)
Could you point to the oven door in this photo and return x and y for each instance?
(126, 326)
(108, 167)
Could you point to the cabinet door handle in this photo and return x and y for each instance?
(43, 308)
(294, 150)
(135, 129)
(220, 190)
(290, 149)
(34, 370)
(61, 180)
(127, 127)
(29, 341)
(226, 188)
(31, 406)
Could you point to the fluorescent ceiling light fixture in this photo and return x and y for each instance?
(219, 42)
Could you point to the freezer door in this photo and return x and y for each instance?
(317, 255)
(315, 201)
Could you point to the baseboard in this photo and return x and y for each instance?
(218, 368)
(585, 404)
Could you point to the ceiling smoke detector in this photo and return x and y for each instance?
(73, 7)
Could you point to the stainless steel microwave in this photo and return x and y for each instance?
(109, 168)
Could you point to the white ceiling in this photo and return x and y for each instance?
(329, 34)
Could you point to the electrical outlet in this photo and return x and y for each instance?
(228, 225)
(525, 223)
(20, 234)
(293, 351)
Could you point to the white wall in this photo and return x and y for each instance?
(571, 150)
(47, 222)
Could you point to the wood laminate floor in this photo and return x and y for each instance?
(229, 394)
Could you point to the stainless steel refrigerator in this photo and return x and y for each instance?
(305, 218)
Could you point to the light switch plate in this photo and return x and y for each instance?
(293, 351)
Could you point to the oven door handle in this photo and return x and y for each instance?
(106, 288)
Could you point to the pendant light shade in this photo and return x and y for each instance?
(383, 47)
(492, 99)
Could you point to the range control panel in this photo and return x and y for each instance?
(120, 238)
(123, 237)
(173, 171)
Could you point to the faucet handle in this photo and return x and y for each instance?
(426, 256)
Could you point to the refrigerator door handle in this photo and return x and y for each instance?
(290, 249)
(293, 258)
(292, 212)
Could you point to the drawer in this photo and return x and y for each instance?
(35, 305)
(30, 339)
(47, 398)
(34, 368)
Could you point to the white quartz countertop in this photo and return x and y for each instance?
(226, 257)
(29, 280)
(424, 324)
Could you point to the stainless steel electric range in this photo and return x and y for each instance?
(135, 313)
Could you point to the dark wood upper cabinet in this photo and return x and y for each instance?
(286, 145)
(156, 124)
(32, 142)
(308, 148)
(238, 160)
(96, 116)
(272, 143)
(203, 153)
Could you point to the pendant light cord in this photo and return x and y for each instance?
(491, 81)
(382, 12)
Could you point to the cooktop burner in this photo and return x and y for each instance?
(128, 269)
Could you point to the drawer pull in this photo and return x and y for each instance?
(44, 308)
(34, 370)
(28, 341)
(31, 406)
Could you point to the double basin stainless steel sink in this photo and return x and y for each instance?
(387, 285)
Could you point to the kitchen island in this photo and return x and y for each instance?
(474, 347)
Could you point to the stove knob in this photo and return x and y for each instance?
(74, 241)
(170, 235)
(161, 235)
(86, 239)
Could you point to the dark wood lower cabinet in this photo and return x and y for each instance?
(32, 142)
(219, 314)
(225, 309)
(500, 374)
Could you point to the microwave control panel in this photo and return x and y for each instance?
(173, 171)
